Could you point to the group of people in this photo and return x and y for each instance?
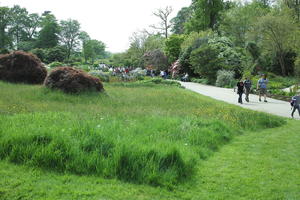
(245, 87)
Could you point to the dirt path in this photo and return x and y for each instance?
(273, 106)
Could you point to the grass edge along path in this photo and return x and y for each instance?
(259, 165)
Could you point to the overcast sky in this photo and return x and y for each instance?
(111, 21)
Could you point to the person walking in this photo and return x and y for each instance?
(295, 104)
(262, 84)
(240, 91)
(247, 85)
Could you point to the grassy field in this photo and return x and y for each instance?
(141, 141)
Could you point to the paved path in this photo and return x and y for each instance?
(276, 107)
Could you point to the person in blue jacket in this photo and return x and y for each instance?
(262, 85)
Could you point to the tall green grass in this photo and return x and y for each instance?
(154, 135)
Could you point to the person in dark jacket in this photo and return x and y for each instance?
(247, 85)
(240, 90)
(296, 104)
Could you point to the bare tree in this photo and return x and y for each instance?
(163, 15)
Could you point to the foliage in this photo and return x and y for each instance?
(206, 62)
(225, 78)
(48, 35)
(205, 16)
(57, 53)
(21, 67)
(71, 80)
(5, 17)
(156, 59)
(104, 77)
(56, 64)
(238, 21)
(40, 53)
(173, 47)
(69, 34)
(200, 80)
(232, 57)
(277, 34)
(93, 49)
(191, 38)
(184, 59)
(181, 18)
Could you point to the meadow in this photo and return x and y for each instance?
(154, 136)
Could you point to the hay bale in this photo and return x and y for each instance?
(71, 80)
(22, 67)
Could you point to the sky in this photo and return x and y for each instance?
(110, 21)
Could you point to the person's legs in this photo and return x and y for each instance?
(240, 98)
(294, 109)
(265, 95)
(247, 94)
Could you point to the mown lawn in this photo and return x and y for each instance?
(141, 142)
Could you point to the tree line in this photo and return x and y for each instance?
(212, 35)
(50, 39)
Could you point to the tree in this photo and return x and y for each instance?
(69, 34)
(179, 21)
(163, 15)
(32, 22)
(93, 49)
(156, 59)
(295, 6)
(57, 53)
(5, 17)
(48, 35)
(277, 32)
(206, 62)
(173, 47)
(206, 14)
(140, 43)
(17, 24)
(239, 20)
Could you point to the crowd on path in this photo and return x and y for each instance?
(262, 85)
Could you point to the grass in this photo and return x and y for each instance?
(262, 165)
(157, 135)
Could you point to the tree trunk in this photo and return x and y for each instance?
(282, 65)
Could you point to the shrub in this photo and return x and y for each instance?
(3, 51)
(86, 68)
(225, 78)
(57, 53)
(206, 62)
(22, 67)
(101, 75)
(56, 64)
(71, 80)
(200, 80)
(40, 53)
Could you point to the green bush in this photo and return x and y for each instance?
(206, 63)
(86, 68)
(56, 64)
(225, 78)
(200, 80)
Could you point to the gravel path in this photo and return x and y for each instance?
(273, 106)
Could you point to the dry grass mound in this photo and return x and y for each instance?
(22, 67)
(71, 80)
